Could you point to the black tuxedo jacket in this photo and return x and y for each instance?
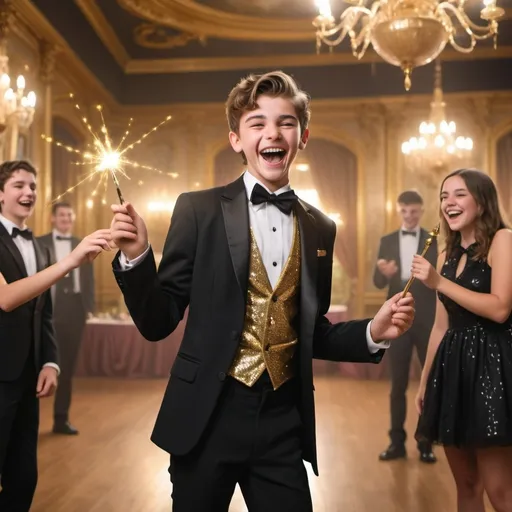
(205, 266)
(30, 323)
(425, 298)
(86, 274)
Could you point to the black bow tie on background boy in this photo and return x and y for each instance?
(284, 201)
(412, 233)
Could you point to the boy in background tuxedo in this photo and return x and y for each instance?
(253, 263)
(73, 301)
(393, 270)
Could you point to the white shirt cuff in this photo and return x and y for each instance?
(372, 346)
(53, 365)
(126, 265)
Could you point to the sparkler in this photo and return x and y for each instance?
(106, 159)
(433, 234)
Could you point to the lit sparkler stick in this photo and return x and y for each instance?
(103, 157)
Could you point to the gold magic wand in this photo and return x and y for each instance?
(433, 234)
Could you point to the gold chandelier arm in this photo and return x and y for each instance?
(466, 22)
(345, 27)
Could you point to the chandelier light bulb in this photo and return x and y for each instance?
(324, 8)
(20, 82)
(5, 81)
(31, 99)
(9, 94)
(439, 141)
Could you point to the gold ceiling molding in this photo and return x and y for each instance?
(184, 65)
(155, 37)
(191, 17)
(104, 29)
(323, 108)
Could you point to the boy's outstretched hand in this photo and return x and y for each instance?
(128, 230)
(393, 318)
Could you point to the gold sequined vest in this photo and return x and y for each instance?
(269, 338)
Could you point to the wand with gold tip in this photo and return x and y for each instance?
(433, 234)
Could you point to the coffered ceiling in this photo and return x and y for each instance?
(157, 51)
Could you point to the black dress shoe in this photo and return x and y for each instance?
(427, 455)
(393, 451)
(65, 428)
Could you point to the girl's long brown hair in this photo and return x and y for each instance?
(490, 218)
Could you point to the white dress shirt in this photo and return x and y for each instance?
(408, 248)
(273, 231)
(28, 253)
(62, 249)
(26, 247)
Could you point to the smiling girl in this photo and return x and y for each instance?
(465, 393)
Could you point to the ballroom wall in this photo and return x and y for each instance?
(371, 128)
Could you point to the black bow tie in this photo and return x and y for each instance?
(62, 238)
(412, 233)
(284, 201)
(25, 233)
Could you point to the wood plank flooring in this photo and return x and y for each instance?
(113, 467)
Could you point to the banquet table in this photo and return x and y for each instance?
(115, 348)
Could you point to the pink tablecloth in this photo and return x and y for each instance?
(116, 349)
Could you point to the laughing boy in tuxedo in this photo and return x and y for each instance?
(393, 270)
(253, 263)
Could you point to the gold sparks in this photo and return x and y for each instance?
(104, 158)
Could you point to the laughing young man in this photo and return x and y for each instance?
(253, 263)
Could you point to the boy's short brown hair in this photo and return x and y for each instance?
(244, 96)
(409, 197)
(8, 168)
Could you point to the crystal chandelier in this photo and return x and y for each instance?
(437, 148)
(15, 107)
(405, 33)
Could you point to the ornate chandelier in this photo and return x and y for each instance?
(437, 148)
(15, 108)
(405, 33)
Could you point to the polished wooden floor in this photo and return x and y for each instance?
(113, 467)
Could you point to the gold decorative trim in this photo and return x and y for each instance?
(199, 19)
(145, 33)
(185, 65)
(105, 32)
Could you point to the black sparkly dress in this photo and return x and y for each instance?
(468, 396)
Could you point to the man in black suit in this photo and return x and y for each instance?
(28, 352)
(73, 301)
(253, 264)
(393, 270)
